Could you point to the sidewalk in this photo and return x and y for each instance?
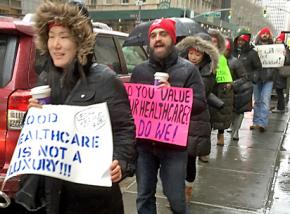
(239, 177)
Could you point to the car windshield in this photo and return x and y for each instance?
(134, 55)
(7, 54)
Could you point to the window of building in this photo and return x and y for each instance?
(94, 2)
(108, 1)
(124, 1)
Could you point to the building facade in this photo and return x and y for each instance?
(10, 7)
(29, 6)
(18, 8)
(276, 12)
(123, 15)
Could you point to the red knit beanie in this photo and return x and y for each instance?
(281, 37)
(264, 30)
(228, 44)
(167, 24)
(245, 37)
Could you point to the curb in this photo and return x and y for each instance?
(271, 186)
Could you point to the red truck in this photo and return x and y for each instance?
(18, 62)
(17, 59)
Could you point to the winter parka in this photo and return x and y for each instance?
(243, 88)
(206, 68)
(281, 81)
(182, 74)
(249, 58)
(101, 85)
(82, 83)
(221, 118)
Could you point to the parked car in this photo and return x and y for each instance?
(18, 64)
(101, 25)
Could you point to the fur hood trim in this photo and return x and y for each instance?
(201, 45)
(69, 16)
(220, 38)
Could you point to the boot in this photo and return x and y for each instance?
(220, 140)
(230, 129)
(236, 125)
(203, 159)
(188, 193)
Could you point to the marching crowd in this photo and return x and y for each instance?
(223, 72)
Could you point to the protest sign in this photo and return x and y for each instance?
(271, 56)
(72, 143)
(163, 114)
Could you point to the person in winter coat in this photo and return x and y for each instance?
(244, 51)
(65, 34)
(205, 57)
(153, 156)
(243, 89)
(263, 86)
(281, 81)
(221, 118)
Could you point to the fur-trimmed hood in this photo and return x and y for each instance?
(220, 38)
(201, 45)
(70, 16)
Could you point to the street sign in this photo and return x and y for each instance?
(212, 14)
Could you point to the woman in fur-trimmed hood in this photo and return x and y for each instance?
(205, 57)
(71, 17)
(220, 40)
(211, 53)
(65, 36)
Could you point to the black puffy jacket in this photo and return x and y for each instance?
(100, 85)
(250, 59)
(206, 68)
(243, 88)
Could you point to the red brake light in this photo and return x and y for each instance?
(17, 107)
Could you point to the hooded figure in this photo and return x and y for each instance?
(64, 34)
(244, 51)
(221, 119)
(205, 57)
(281, 80)
(242, 87)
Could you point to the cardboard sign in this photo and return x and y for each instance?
(161, 115)
(271, 56)
(72, 143)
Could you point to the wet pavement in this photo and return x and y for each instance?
(251, 175)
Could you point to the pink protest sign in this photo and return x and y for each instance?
(163, 114)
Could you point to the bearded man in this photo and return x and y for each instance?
(263, 87)
(155, 156)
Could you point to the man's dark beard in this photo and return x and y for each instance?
(169, 49)
(265, 39)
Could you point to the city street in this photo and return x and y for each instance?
(248, 176)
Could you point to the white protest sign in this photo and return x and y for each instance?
(72, 143)
(271, 56)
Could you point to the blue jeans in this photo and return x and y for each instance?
(262, 98)
(172, 164)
